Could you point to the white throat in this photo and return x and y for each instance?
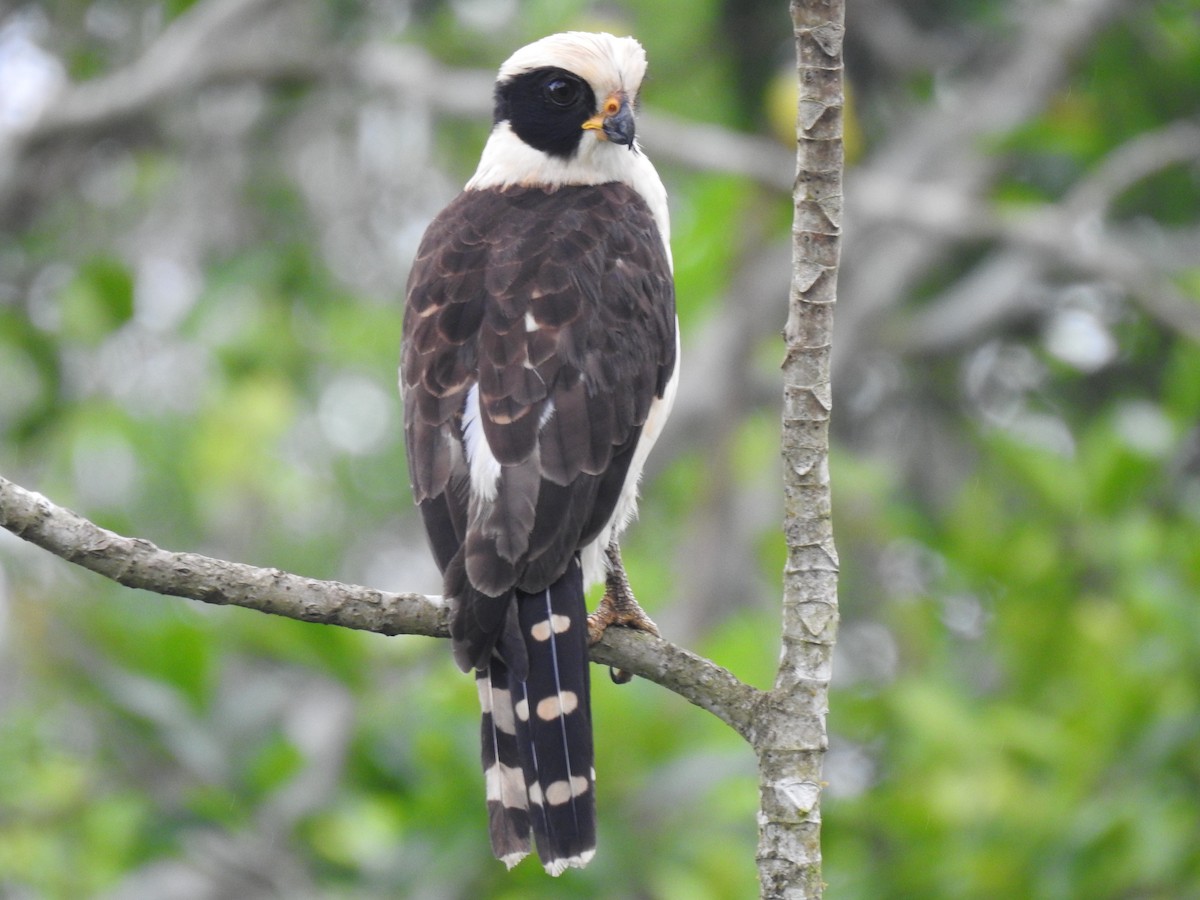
(508, 161)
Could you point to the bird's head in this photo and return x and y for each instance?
(564, 115)
(568, 92)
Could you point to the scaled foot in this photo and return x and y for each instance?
(618, 607)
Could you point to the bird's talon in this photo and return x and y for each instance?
(618, 607)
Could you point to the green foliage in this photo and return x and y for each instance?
(1050, 753)
(1019, 677)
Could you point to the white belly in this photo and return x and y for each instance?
(595, 563)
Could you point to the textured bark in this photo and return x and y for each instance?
(138, 563)
(791, 739)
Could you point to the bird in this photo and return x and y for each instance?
(539, 362)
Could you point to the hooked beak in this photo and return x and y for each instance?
(614, 122)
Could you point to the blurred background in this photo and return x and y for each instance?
(207, 213)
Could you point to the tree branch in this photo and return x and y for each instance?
(939, 143)
(792, 742)
(212, 42)
(1052, 233)
(229, 41)
(138, 563)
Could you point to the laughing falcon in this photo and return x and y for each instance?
(538, 365)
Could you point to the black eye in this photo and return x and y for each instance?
(561, 91)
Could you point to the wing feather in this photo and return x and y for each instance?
(558, 305)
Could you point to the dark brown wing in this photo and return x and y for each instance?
(558, 308)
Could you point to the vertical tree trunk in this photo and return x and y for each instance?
(790, 740)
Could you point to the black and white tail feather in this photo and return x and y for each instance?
(538, 366)
(537, 733)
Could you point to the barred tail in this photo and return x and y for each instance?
(537, 732)
(507, 795)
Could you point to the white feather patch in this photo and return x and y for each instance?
(595, 563)
(609, 63)
(507, 160)
(558, 866)
(562, 704)
(556, 624)
(502, 711)
(560, 792)
(506, 785)
(511, 859)
(484, 467)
